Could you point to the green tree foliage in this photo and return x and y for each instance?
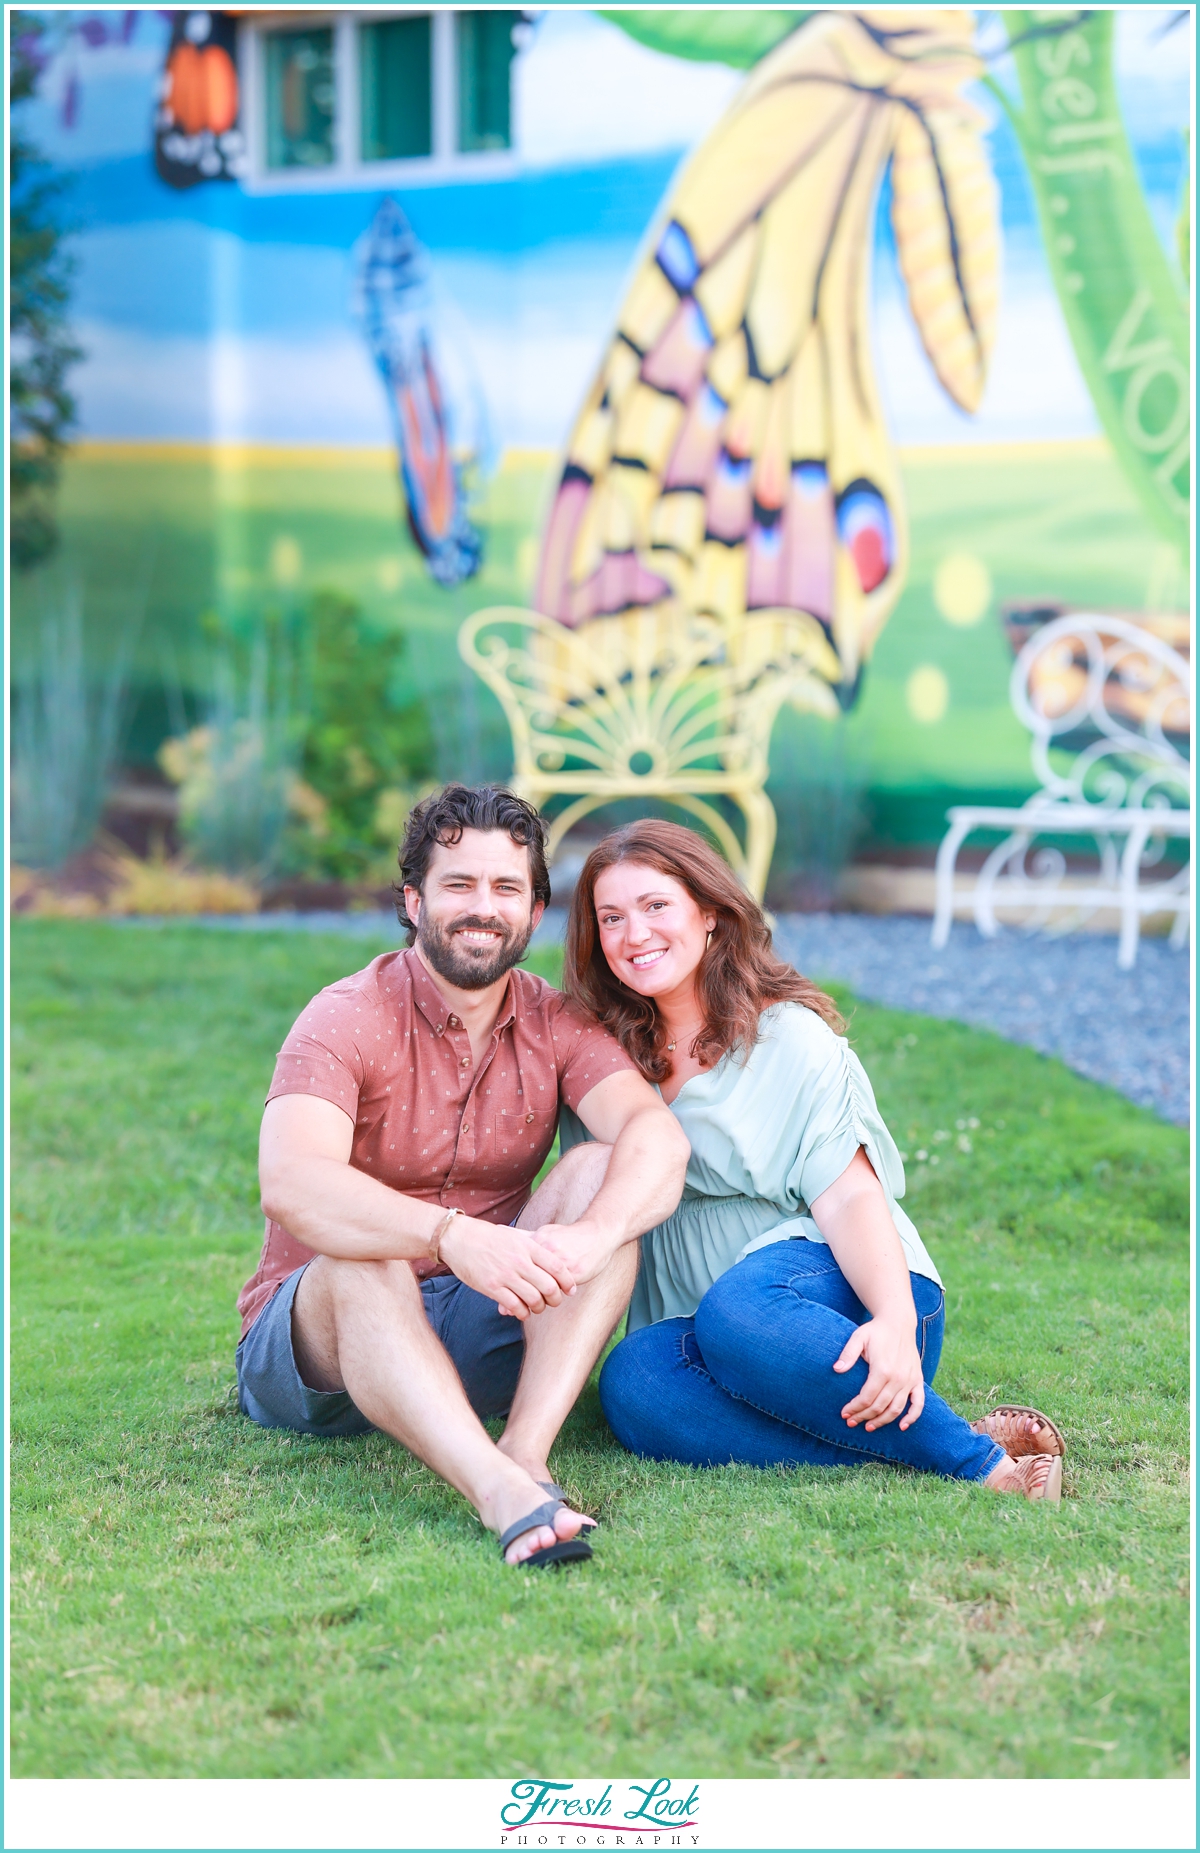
(41, 351)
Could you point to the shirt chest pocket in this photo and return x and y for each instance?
(522, 1131)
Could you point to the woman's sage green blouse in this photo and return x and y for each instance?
(769, 1132)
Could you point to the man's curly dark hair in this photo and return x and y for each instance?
(443, 817)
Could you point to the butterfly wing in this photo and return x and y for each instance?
(437, 519)
(944, 216)
(393, 307)
(730, 458)
(196, 134)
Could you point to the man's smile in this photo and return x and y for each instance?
(473, 950)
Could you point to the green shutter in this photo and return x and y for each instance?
(299, 72)
(485, 52)
(395, 102)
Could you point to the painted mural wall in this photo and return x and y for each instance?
(344, 283)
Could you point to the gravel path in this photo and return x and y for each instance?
(1062, 996)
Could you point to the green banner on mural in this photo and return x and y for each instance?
(1124, 309)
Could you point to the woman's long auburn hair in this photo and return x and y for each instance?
(736, 979)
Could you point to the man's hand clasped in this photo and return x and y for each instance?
(585, 1247)
(514, 1267)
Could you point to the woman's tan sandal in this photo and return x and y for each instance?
(1037, 1476)
(1009, 1425)
(1033, 1484)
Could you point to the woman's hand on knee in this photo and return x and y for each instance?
(894, 1380)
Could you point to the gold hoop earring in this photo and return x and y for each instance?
(708, 942)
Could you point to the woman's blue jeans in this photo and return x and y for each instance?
(750, 1378)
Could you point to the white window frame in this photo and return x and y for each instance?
(348, 171)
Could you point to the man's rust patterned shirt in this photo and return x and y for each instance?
(384, 1046)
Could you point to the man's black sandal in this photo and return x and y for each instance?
(567, 1550)
(557, 1492)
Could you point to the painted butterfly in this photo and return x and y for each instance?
(731, 458)
(196, 134)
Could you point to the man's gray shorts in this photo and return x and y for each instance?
(485, 1346)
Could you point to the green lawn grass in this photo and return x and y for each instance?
(197, 1597)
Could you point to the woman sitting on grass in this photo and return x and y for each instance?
(788, 1312)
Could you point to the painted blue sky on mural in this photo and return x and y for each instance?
(225, 311)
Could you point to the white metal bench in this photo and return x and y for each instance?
(1108, 706)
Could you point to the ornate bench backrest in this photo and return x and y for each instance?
(650, 694)
(1118, 699)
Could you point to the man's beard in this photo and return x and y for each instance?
(471, 968)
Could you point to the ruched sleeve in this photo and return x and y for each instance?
(834, 1112)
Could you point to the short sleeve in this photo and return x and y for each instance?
(585, 1055)
(835, 1113)
(321, 1056)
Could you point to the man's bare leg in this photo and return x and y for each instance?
(563, 1342)
(360, 1326)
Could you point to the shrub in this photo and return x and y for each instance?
(306, 763)
(365, 755)
(235, 772)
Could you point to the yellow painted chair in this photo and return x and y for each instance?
(676, 710)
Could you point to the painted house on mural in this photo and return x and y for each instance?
(343, 280)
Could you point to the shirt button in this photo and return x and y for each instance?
(466, 1061)
(438, 1030)
(453, 1022)
(529, 1119)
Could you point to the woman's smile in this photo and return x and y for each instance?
(651, 932)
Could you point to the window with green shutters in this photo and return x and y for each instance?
(395, 89)
(485, 53)
(299, 87)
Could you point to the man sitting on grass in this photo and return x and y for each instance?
(408, 1280)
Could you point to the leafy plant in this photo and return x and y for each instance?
(159, 885)
(236, 772)
(306, 763)
(165, 885)
(364, 753)
(41, 351)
